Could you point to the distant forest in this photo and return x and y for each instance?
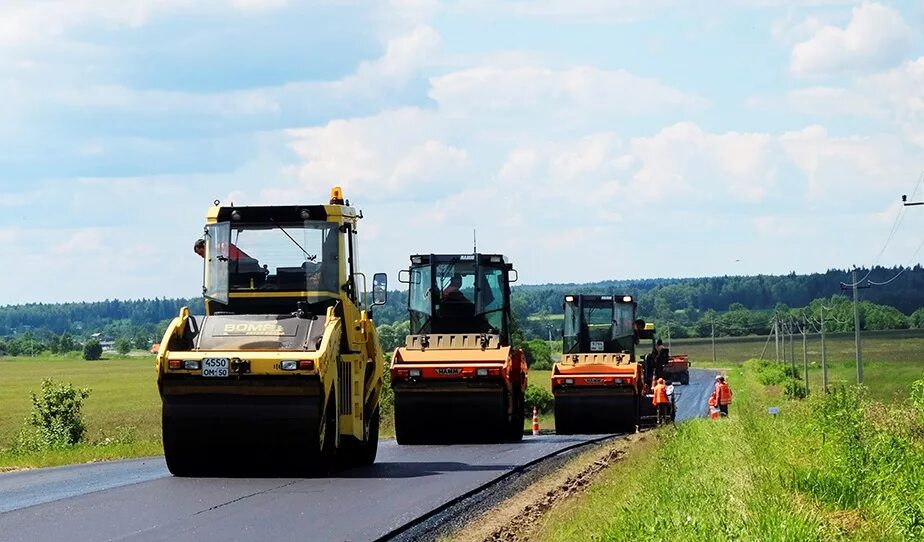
(687, 305)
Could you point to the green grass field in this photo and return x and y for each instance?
(856, 473)
(123, 393)
(892, 360)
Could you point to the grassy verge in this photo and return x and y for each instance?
(122, 412)
(835, 468)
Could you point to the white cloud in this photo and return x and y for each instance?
(404, 56)
(822, 102)
(582, 89)
(899, 93)
(37, 21)
(876, 37)
(849, 168)
(385, 152)
(613, 11)
(683, 161)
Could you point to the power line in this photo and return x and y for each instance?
(903, 269)
(915, 254)
(895, 225)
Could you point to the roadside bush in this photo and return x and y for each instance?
(56, 416)
(387, 399)
(794, 389)
(540, 398)
(917, 399)
(771, 373)
(92, 350)
(538, 354)
(123, 345)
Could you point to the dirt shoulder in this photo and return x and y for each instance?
(519, 516)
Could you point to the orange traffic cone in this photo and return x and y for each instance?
(535, 421)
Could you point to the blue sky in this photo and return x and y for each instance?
(585, 139)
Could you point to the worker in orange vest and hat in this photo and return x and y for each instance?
(660, 400)
(722, 394)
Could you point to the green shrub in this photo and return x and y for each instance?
(771, 373)
(540, 398)
(122, 346)
(387, 398)
(538, 354)
(917, 399)
(56, 416)
(92, 350)
(794, 389)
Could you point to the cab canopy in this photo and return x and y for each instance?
(599, 323)
(459, 293)
(263, 259)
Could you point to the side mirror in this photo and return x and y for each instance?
(379, 288)
(513, 272)
(404, 276)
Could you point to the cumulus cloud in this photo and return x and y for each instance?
(898, 92)
(382, 153)
(36, 21)
(876, 37)
(822, 102)
(581, 88)
(685, 161)
(612, 11)
(838, 168)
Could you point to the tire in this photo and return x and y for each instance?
(356, 453)
(685, 379)
(326, 443)
(563, 423)
(405, 430)
(178, 451)
(630, 423)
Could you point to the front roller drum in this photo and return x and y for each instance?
(452, 417)
(221, 435)
(594, 413)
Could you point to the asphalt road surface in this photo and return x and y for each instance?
(139, 500)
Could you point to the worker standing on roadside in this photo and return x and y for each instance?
(722, 394)
(661, 402)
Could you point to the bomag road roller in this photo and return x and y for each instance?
(598, 383)
(284, 371)
(457, 379)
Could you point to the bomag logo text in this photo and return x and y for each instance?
(254, 329)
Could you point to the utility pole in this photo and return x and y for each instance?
(805, 353)
(824, 361)
(668, 337)
(776, 335)
(713, 339)
(792, 353)
(783, 330)
(856, 322)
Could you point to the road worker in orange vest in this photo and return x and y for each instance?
(722, 394)
(661, 402)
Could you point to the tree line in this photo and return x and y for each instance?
(732, 305)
